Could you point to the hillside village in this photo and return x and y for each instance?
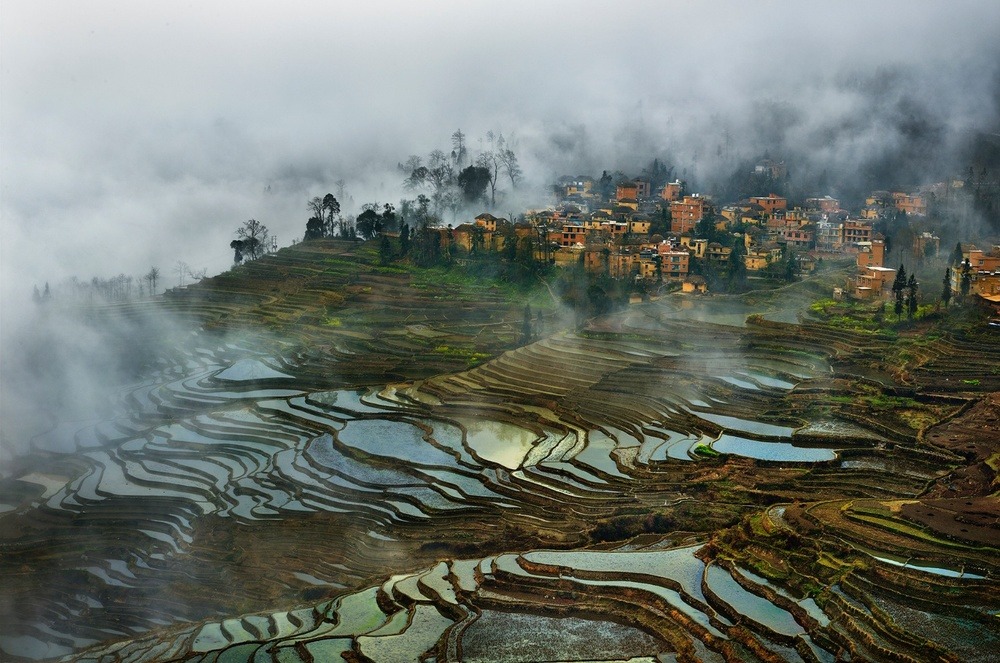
(663, 233)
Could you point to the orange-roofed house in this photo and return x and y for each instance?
(685, 214)
(770, 203)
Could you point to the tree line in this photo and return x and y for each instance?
(120, 288)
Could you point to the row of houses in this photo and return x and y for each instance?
(881, 202)
(614, 234)
(583, 189)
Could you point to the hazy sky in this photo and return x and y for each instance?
(139, 134)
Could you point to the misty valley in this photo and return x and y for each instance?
(441, 466)
(517, 332)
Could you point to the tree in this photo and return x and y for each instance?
(423, 210)
(152, 276)
(658, 174)
(737, 268)
(181, 269)
(526, 332)
(946, 287)
(254, 237)
(369, 222)
(705, 228)
(384, 249)
(322, 223)
(898, 287)
(791, 266)
(911, 296)
(427, 247)
(508, 160)
(472, 181)
(315, 229)
(315, 205)
(956, 255)
(489, 162)
(332, 208)
(458, 151)
(966, 284)
(452, 201)
(606, 186)
(389, 219)
(440, 173)
(404, 239)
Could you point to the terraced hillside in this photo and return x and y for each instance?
(373, 322)
(654, 486)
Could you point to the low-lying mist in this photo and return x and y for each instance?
(143, 137)
(66, 365)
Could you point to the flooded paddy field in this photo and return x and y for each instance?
(648, 487)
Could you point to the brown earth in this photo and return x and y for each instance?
(964, 504)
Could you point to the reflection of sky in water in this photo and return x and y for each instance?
(779, 451)
(497, 442)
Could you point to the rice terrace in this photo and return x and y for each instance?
(329, 458)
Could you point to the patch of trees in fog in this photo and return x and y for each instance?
(120, 288)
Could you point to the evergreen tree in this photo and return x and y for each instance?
(384, 249)
(404, 239)
(946, 290)
(966, 284)
(956, 255)
(791, 267)
(737, 268)
(898, 288)
(911, 297)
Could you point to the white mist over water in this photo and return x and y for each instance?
(138, 136)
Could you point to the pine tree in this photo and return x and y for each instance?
(384, 249)
(956, 255)
(946, 290)
(526, 331)
(966, 284)
(911, 297)
(898, 286)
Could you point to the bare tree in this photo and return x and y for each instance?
(181, 269)
(254, 236)
(411, 164)
(490, 160)
(508, 161)
(440, 175)
(152, 276)
(315, 205)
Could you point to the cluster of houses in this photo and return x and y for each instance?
(984, 272)
(613, 233)
(657, 233)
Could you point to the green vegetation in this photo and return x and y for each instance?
(471, 357)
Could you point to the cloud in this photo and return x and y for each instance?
(135, 136)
